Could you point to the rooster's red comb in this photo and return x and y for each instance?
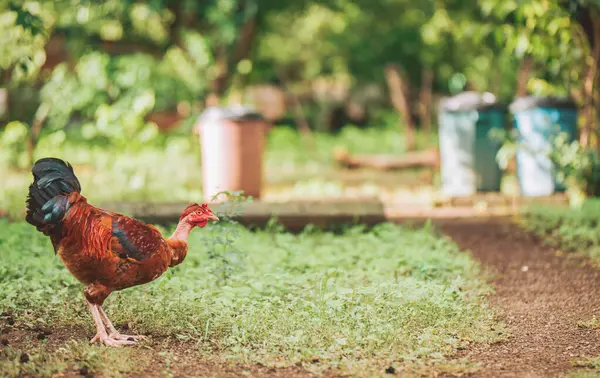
(193, 207)
(188, 210)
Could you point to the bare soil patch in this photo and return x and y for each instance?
(159, 357)
(542, 296)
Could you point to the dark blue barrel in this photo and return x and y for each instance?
(467, 153)
(538, 121)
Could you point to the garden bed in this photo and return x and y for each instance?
(328, 213)
(294, 216)
(353, 303)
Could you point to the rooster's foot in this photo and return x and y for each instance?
(112, 331)
(110, 341)
(118, 336)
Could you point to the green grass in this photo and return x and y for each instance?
(587, 367)
(171, 170)
(356, 302)
(594, 322)
(573, 230)
(73, 355)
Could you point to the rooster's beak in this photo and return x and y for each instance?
(213, 217)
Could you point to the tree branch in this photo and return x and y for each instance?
(399, 96)
(38, 121)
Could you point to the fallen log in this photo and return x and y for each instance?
(418, 159)
(294, 216)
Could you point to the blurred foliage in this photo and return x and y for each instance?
(547, 32)
(494, 37)
(108, 173)
(104, 66)
(577, 167)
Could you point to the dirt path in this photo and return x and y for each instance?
(541, 297)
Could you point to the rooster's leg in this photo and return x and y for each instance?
(101, 334)
(113, 333)
(95, 294)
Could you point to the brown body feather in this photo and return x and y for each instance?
(92, 252)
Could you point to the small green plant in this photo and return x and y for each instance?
(594, 322)
(587, 362)
(508, 142)
(585, 367)
(576, 168)
(227, 257)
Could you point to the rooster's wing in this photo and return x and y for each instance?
(133, 239)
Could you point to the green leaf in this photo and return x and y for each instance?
(14, 133)
(522, 45)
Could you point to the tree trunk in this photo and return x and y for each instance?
(591, 84)
(425, 99)
(523, 77)
(589, 19)
(227, 62)
(399, 96)
(178, 21)
(588, 111)
(299, 116)
(595, 106)
(4, 104)
(245, 39)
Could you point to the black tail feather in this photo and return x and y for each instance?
(52, 179)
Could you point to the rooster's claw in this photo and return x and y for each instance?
(109, 341)
(118, 336)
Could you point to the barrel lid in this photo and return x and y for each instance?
(468, 101)
(529, 102)
(231, 112)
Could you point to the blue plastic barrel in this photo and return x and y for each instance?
(467, 153)
(538, 121)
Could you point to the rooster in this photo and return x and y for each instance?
(103, 250)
